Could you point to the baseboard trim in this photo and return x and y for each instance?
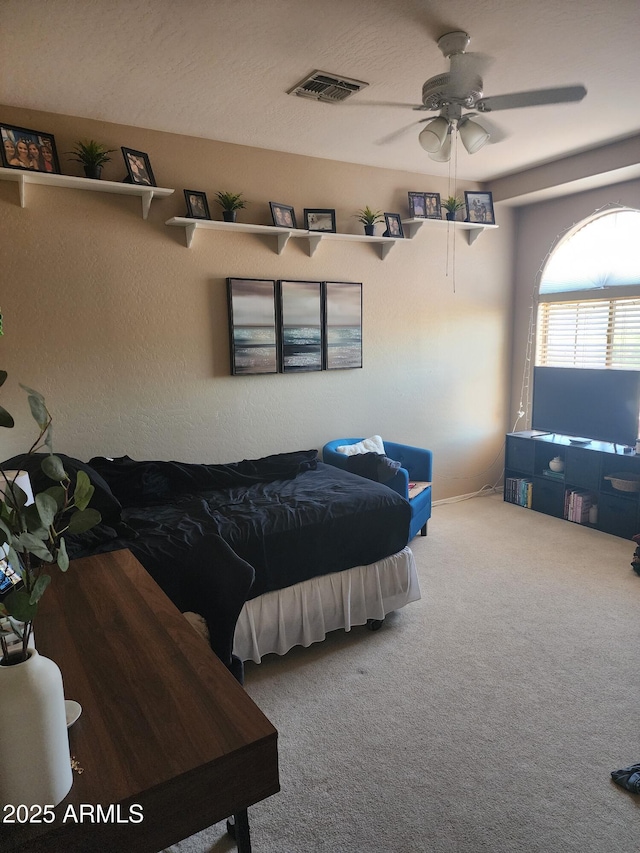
(457, 498)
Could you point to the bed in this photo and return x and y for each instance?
(328, 548)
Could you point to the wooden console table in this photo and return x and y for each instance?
(164, 724)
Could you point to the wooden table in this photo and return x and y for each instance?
(164, 724)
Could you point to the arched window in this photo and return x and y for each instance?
(589, 296)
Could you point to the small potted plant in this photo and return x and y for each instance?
(93, 155)
(452, 204)
(230, 204)
(369, 218)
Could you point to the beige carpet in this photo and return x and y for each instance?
(485, 717)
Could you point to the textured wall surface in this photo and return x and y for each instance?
(125, 330)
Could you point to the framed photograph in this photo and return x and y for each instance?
(343, 325)
(424, 206)
(283, 215)
(319, 220)
(197, 205)
(252, 326)
(138, 167)
(480, 207)
(28, 149)
(394, 225)
(301, 325)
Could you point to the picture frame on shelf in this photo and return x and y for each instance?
(424, 205)
(394, 225)
(138, 167)
(197, 204)
(479, 207)
(283, 215)
(320, 219)
(31, 150)
(301, 326)
(253, 334)
(343, 325)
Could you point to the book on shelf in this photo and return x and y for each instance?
(577, 503)
(553, 475)
(519, 490)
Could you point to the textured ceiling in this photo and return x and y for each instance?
(221, 69)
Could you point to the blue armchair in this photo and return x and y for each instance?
(417, 465)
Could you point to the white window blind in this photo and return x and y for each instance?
(600, 254)
(601, 333)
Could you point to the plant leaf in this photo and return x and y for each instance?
(29, 542)
(5, 418)
(39, 587)
(57, 493)
(62, 558)
(84, 520)
(47, 508)
(38, 408)
(83, 491)
(53, 468)
(34, 522)
(18, 605)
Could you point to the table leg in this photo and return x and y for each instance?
(238, 828)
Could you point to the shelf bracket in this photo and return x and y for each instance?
(314, 242)
(385, 248)
(412, 228)
(472, 235)
(146, 203)
(189, 232)
(22, 190)
(283, 239)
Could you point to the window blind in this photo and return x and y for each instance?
(601, 254)
(601, 333)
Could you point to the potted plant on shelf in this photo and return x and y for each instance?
(92, 155)
(35, 764)
(452, 205)
(230, 203)
(369, 218)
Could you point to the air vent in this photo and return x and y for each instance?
(321, 86)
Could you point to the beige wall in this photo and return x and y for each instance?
(539, 226)
(125, 330)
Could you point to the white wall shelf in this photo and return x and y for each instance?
(23, 177)
(190, 226)
(281, 234)
(473, 229)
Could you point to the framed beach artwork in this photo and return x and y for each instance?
(252, 326)
(301, 326)
(343, 325)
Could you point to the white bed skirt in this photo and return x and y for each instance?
(305, 613)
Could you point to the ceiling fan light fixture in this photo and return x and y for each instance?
(473, 135)
(444, 154)
(434, 135)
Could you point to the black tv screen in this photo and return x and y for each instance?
(601, 405)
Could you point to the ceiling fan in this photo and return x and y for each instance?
(462, 89)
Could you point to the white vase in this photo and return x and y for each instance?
(35, 763)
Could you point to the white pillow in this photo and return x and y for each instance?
(367, 445)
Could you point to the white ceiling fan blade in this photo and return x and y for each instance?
(398, 134)
(534, 98)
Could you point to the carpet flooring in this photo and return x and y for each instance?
(486, 717)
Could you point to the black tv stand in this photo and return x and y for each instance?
(530, 482)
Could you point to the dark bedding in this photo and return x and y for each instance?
(290, 516)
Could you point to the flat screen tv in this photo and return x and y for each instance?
(600, 405)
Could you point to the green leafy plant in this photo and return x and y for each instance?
(32, 536)
(452, 204)
(91, 153)
(368, 216)
(230, 201)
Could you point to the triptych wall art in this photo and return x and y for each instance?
(294, 326)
